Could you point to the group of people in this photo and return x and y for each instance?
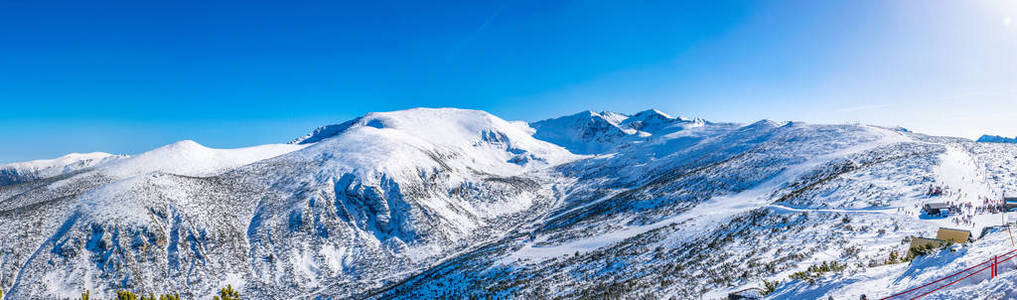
(966, 211)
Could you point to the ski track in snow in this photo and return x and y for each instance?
(703, 216)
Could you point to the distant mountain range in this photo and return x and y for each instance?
(451, 203)
(996, 139)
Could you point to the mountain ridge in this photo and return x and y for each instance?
(996, 139)
(441, 202)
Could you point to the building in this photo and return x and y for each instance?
(954, 235)
(1010, 202)
(943, 236)
(936, 208)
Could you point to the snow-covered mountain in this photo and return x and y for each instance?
(14, 173)
(590, 132)
(428, 203)
(996, 139)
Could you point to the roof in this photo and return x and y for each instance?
(952, 234)
(955, 229)
(937, 205)
(1010, 199)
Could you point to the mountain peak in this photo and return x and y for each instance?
(589, 132)
(372, 205)
(586, 132)
(404, 119)
(652, 113)
(649, 121)
(324, 132)
(184, 144)
(414, 138)
(189, 158)
(613, 117)
(766, 122)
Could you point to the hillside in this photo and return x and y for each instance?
(449, 202)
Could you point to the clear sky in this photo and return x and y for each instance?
(125, 77)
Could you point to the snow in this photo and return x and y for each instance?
(59, 286)
(966, 182)
(706, 214)
(401, 192)
(883, 281)
(236, 280)
(39, 169)
(189, 158)
(590, 132)
(421, 138)
(59, 162)
(959, 172)
(306, 265)
(702, 215)
(584, 133)
(111, 202)
(333, 257)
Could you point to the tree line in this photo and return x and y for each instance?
(226, 293)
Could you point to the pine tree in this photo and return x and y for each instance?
(126, 295)
(227, 293)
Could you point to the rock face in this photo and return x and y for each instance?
(428, 203)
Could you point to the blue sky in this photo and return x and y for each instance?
(125, 77)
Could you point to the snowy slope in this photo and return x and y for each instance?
(584, 133)
(189, 158)
(713, 209)
(407, 139)
(61, 163)
(427, 203)
(590, 132)
(40, 169)
(387, 195)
